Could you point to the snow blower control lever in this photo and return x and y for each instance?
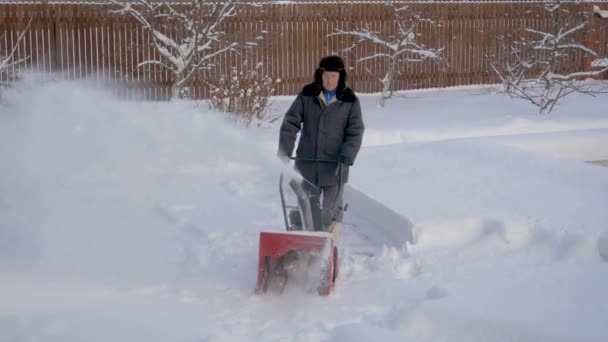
(315, 222)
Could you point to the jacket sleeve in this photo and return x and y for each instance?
(292, 123)
(353, 134)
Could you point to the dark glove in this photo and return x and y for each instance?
(346, 160)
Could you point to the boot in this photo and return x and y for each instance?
(334, 229)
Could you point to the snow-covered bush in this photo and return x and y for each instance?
(539, 65)
(244, 92)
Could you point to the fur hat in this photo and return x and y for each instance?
(331, 63)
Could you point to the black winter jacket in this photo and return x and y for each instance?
(330, 132)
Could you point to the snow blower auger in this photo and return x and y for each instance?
(304, 256)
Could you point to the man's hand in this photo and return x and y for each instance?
(346, 160)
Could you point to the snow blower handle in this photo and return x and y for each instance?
(339, 172)
(312, 160)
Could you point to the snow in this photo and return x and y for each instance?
(600, 12)
(135, 221)
(600, 62)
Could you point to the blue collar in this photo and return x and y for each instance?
(329, 94)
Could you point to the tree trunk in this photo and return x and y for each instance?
(176, 87)
(545, 101)
(386, 84)
(174, 92)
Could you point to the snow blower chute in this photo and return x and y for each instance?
(303, 256)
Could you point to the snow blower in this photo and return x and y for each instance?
(303, 256)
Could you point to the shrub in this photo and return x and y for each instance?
(245, 93)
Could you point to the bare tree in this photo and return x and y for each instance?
(537, 70)
(200, 20)
(396, 49)
(9, 61)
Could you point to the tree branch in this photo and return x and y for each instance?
(8, 61)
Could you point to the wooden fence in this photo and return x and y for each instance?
(85, 41)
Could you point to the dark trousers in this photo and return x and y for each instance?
(325, 204)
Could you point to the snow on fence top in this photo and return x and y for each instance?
(600, 12)
(101, 2)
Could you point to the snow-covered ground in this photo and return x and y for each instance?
(131, 221)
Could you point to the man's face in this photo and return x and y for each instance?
(330, 80)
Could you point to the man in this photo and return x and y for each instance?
(328, 116)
